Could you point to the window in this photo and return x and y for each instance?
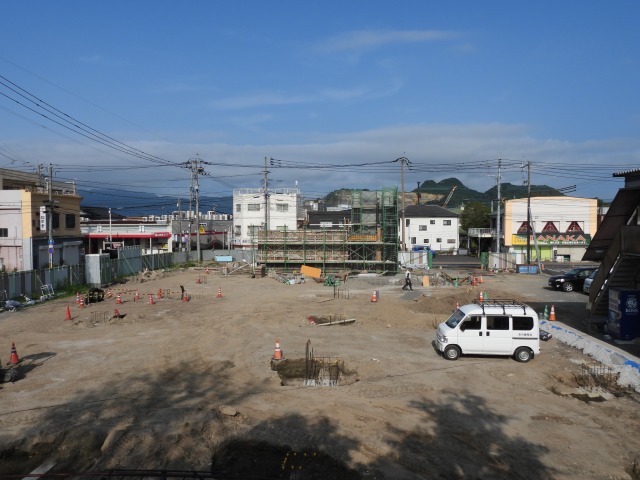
(471, 323)
(238, 207)
(55, 222)
(422, 228)
(282, 207)
(141, 228)
(253, 207)
(426, 240)
(446, 222)
(99, 228)
(253, 229)
(550, 227)
(406, 222)
(432, 222)
(438, 240)
(4, 232)
(237, 231)
(524, 228)
(497, 323)
(451, 240)
(70, 221)
(413, 240)
(522, 323)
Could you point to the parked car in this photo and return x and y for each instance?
(587, 283)
(494, 327)
(420, 248)
(571, 280)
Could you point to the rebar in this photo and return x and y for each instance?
(596, 375)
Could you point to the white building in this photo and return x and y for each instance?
(431, 226)
(279, 209)
(562, 227)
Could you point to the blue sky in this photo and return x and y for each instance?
(335, 90)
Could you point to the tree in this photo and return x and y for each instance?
(475, 215)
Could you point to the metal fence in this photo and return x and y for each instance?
(32, 282)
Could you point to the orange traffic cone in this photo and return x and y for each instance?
(198, 280)
(151, 302)
(474, 282)
(116, 313)
(81, 304)
(219, 292)
(481, 296)
(206, 270)
(185, 297)
(481, 280)
(277, 354)
(159, 293)
(457, 305)
(374, 297)
(109, 293)
(14, 355)
(77, 298)
(68, 315)
(552, 314)
(136, 297)
(118, 299)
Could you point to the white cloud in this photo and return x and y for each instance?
(369, 39)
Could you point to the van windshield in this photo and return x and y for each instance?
(455, 319)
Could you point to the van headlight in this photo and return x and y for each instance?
(441, 338)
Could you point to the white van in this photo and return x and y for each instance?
(494, 327)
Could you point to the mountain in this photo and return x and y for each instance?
(435, 193)
(133, 204)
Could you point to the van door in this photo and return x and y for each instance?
(498, 336)
(470, 335)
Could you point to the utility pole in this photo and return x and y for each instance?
(196, 170)
(179, 224)
(50, 216)
(266, 197)
(529, 230)
(402, 161)
(499, 208)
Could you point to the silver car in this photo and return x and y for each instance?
(588, 281)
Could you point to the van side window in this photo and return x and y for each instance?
(522, 323)
(473, 323)
(497, 323)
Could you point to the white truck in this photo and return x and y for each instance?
(494, 327)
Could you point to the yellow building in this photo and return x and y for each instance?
(32, 236)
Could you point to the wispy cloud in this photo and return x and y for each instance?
(264, 99)
(369, 39)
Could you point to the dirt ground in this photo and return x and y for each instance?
(189, 386)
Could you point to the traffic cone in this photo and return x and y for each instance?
(81, 304)
(277, 354)
(14, 355)
(474, 281)
(552, 315)
(159, 293)
(68, 315)
(136, 297)
(185, 298)
(109, 293)
(545, 314)
(206, 270)
(116, 313)
(374, 297)
(77, 298)
(457, 306)
(219, 292)
(481, 280)
(151, 302)
(118, 299)
(198, 280)
(481, 296)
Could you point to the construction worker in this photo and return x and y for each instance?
(407, 280)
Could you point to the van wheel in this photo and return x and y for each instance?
(452, 352)
(522, 354)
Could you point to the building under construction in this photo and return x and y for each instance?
(366, 241)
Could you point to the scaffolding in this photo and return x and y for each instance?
(369, 242)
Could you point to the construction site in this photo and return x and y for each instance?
(368, 242)
(174, 374)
